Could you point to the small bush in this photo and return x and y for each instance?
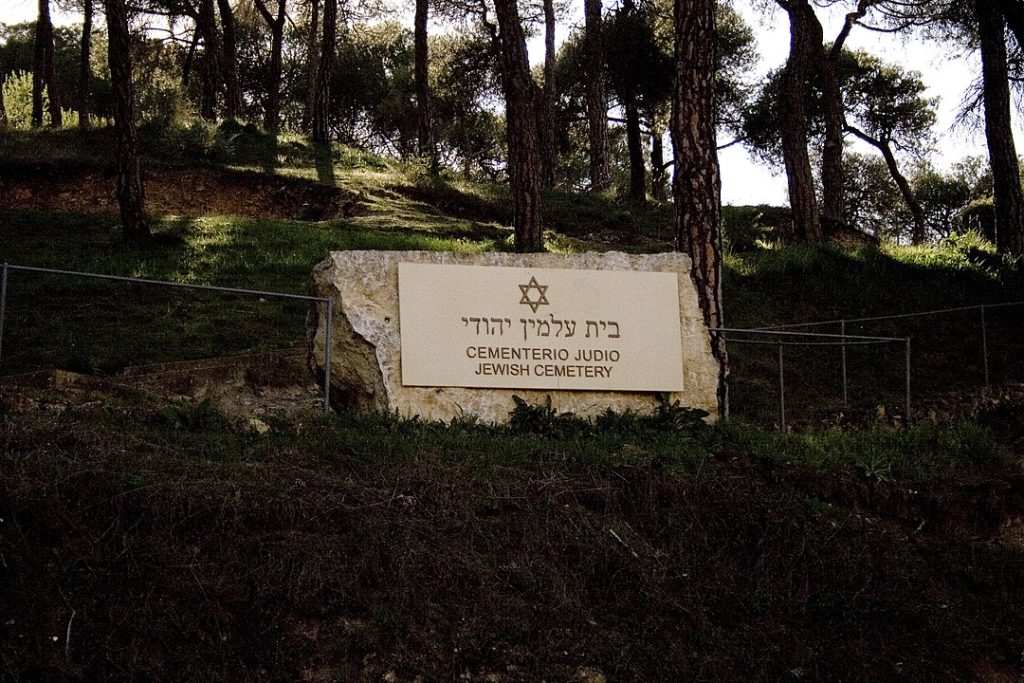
(980, 216)
(17, 102)
(745, 228)
(194, 141)
(542, 419)
(161, 101)
(194, 417)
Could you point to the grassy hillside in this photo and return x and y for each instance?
(143, 536)
(176, 544)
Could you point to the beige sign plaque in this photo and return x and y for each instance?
(539, 328)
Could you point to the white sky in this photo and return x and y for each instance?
(946, 73)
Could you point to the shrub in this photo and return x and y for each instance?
(980, 216)
(745, 227)
(161, 101)
(18, 100)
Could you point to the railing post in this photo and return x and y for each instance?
(782, 393)
(846, 398)
(327, 355)
(3, 306)
(908, 382)
(984, 344)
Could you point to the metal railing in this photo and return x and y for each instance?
(782, 339)
(982, 322)
(779, 336)
(7, 268)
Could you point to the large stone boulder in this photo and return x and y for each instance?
(366, 356)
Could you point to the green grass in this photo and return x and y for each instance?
(799, 283)
(921, 454)
(90, 325)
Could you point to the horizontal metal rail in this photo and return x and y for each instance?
(781, 340)
(6, 268)
(168, 283)
(771, 333)
(769, 342)
(899, 316)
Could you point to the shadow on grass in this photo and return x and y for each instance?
(92, 325)
(323, 161)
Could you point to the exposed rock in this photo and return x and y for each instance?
(366, 345)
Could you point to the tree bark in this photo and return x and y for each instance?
(322, 87)
(1013, 12)
(833, 199)
(659, 177)
(697, 183)
(833, 204)
(597, 101)
(84, 65)
(186, 68)
(206, 24)
(917, 236)
(232, 90)
(635, 146)
(130, 192)
(43, 73)
(421, 51)
(52, 86)
(521, 124)
(634, 139)
(803, 46)
(272, 114)
(313, 65)
(1009, 200)
(548, 155)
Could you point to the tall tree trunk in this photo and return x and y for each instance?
(659, 176)
(211, 72)
(272, 115)
(635, 146)
(44, 34)
(634, 138)
(521, 124)
(233, 90)
(597, 101)
(1013, 12)
(322, 87)
(548, 154)
(85, 66)
(697, 184)
(130, 193)
(833, 199)
(1009, 200)
(52, 86)
(312, 63)
(186, 68)
(803, 47)
(916, 210)
(424, 125)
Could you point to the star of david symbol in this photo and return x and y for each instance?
(541, 298)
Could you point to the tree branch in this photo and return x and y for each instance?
(731, 144)
(874, 142)
(851, 19)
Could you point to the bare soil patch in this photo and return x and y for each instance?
(246, 387)
(193, 191)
